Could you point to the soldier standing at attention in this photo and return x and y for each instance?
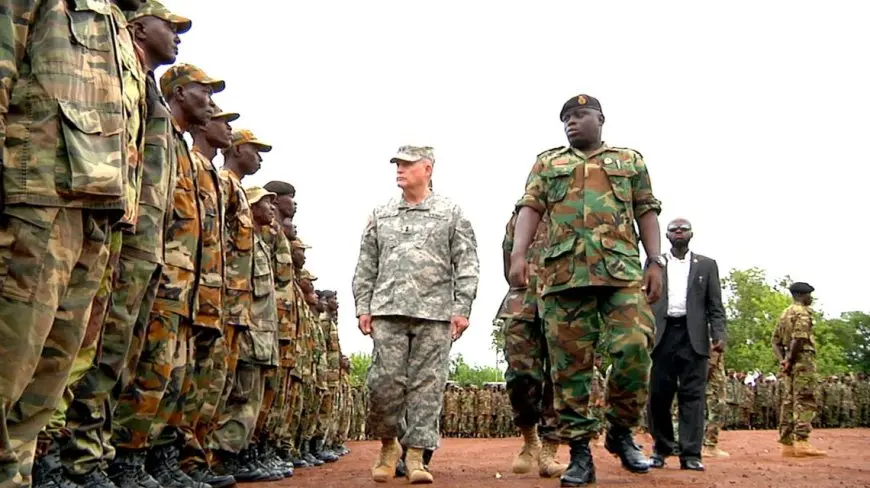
(717, 407)
(795, 347)
(593, 194)
(414, 284)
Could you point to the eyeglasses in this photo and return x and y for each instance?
(682, 227)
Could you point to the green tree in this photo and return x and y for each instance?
(464, 374)
(359, 367)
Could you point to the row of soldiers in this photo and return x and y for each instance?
(164, 329)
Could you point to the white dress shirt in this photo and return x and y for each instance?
(678, 283)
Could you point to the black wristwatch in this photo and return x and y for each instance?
(660, 260)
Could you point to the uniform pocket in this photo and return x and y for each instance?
(558, 266)
(93, 149)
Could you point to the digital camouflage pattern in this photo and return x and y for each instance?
(799, 406)
(417, 261)
(64, 124)
(592, 203)
(716, 399)
(210, 289)
(408, 370)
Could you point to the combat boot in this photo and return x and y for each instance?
(805, 449)
(204, 474)
(95, 479)
(270, 458)
(620, 443)
(417, 474)
(48, 471)
(787, 450)
(162, 464)
(320, 452)
(548, 465)
(127, 470)
(306, 454)
(531, 448)
(388, 457)
(581, 469)
(713, 451)
(251, 455)
(231, 464)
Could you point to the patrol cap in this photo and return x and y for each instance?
(244, 136)
(299, 244)
(256, 193)
(328, 293)
(800, 288)
(153, 8)
(584, 101)
(281, 188)
(185, 74)
(412, 154)
(306, 275)
(228, 116)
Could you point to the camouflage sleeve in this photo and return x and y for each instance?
(466, 268)
(802, 325)
(641, 188)
(536, 190)
(366, 268)
(507, 244)
(283, 258)
(776, 339)
(15, 19)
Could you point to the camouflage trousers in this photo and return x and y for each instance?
(325, 415)
(51, 263)
(717, 408)
(238, 418)
(798, 407)
(294, 415)
(271, 390)
(313, 402)
(529, 385)
(216, 392)
(89, 419)
(408, 371)
(57, 423)
(276, 428)
(343, 420)
(572, 327)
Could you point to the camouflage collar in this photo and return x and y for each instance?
(604, 147)
(424, 205)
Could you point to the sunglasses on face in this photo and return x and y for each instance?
(682, 227)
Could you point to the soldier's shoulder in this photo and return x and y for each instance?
(390, 206)
(626, 152)
(444, 203)
(550, 155)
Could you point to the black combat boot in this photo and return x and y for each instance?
(233, 465)
(127, 470)
(48, 471)
(270, 458)
(252, 456)
(204, 474)
(320, 452)
(581, 469)
(305, 449)
(619, 442)
(162, 464)
(95, 479)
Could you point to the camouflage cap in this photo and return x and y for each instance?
(299, 244)
(185, 74)
(413, 154)
(256, 193)
(244, 136)
(153, 8)
(228, 116)
(584, 101)
(306, 275)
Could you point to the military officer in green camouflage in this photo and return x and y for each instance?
(593, 194)
(795, 347)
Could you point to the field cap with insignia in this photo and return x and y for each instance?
(153, 8)
(280, 187)
(257, 193)
(584, 101)
(412, 154)
(244, 136)
(185, 74)
(801, 288)
(228, 116)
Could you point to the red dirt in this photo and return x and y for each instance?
(755, 462)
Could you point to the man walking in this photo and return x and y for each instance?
(414, 284)
(688, 316)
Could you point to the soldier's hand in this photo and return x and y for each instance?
(519, 272)
(785, 366)
(458, 324)
(365, 324)
(652, 283)
(719, 346)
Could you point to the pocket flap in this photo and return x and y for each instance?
(560, 248)
(620, 246)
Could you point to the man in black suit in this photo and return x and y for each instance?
(688, 316)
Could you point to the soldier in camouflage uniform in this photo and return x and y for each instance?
(413, 318)
(146, 405)
(862, 398)
(467, 401)
(794, 346)
(68, 176)
(716, 404)
(592, 269)
(483, 412)
(331, 357)
(596, 399)
(452, 412)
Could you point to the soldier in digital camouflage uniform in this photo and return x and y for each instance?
(528, 379)
(794, 346)
(146, 406)
(67, 178)
(413, 317)
(593, 195)
(716, 405)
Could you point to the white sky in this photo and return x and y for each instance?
(751, 117)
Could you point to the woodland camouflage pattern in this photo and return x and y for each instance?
(715, 394)
(210, 290)
(799, 405)
(239, 250)
(417, 261)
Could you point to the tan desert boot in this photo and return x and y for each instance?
(548, 466)
(805, 449)
(531, 447)
(417, 475)
(787, 450)
(712, 451)
(385, 465)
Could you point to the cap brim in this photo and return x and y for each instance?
(228, 116)
(405, 157)
(261, 146)
(216, 86)
(182, 24)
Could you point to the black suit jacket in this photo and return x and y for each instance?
(705, 315)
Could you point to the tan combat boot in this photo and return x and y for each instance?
(805, 449)
(787, 450)
(385, 466)
(548, 466)
(417, 474)
(531, 447)
(713, 452)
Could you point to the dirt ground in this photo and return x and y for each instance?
(754, 463)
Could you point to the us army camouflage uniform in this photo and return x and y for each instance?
(65, 180)
(798, 406)
(435, 239)
(121, 284)
(716, 398)
(593, 270)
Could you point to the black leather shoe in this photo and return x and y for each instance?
(656, 461)
(620, 443)
(691, 464)
(581, 469)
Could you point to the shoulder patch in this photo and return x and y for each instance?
(554, 150)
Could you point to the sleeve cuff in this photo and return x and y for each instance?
(462, 311)
(529, 201)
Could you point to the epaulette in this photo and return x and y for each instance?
(552, 150)
(635, 152)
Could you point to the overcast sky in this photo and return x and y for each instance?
(752, 118)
